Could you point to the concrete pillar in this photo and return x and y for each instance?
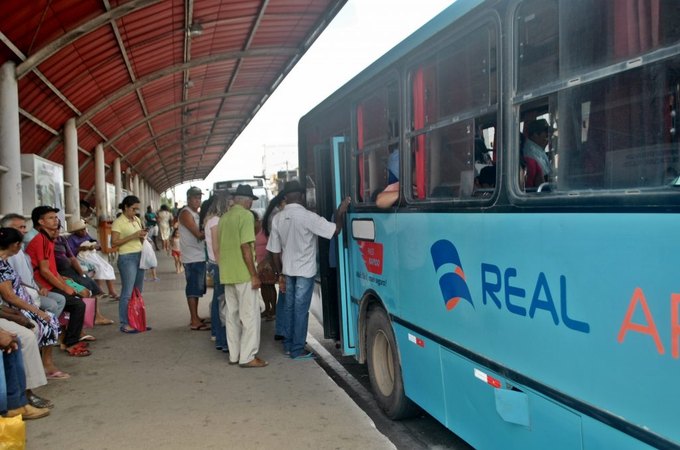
(135, 185)
(145, 196)
(71, 178)
(10, 146)
(100, 180)
(118, 181)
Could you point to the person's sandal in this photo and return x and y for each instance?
(78, 351)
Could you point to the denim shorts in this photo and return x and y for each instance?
(195, 275)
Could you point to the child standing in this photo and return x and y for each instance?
(175, 250)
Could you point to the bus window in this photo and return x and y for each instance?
(377, 136)
(538, 50)
(452, 93)
(618, 130)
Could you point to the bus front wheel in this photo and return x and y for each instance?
(384, 369)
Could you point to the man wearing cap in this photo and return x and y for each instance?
(236, 230)
(294, 232)
(539, 168)
(41, 252)
(192, 249)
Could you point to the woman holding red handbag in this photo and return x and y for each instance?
(128, 234)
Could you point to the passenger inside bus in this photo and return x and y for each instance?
(538, 166)
(486, 178)
(390, 194)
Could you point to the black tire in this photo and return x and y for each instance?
(384, 368)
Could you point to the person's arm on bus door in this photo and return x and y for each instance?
(388, 196)
(340, 214)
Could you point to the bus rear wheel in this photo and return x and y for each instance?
(384, 369)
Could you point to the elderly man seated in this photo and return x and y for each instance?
(85, 247)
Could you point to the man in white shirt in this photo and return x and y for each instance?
(294, 232)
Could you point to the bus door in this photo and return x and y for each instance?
(329, 190)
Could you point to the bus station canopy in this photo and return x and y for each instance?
(165, 85)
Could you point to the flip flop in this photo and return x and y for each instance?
(78, 351)
(303, 355)
(58, 375)
(87, 337)
(103, 322)
(202, 327)
(130, 331)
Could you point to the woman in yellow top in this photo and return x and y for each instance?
(128, 234)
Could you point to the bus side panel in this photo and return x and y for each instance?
(373, 264)
(597, 436)
(580, 303)
(472, 412)
(421, 371)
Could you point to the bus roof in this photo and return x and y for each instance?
(441, 21)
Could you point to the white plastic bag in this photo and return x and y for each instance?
(148, 259)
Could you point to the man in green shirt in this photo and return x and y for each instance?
(241, 285)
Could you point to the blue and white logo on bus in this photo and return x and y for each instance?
(544, 296)
(452, 278)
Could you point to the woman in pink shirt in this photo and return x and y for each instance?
(265, 271)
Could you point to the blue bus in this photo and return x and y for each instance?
(523, 287)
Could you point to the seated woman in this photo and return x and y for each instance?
(14, 294)
(103, 271)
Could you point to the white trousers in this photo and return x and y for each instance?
(243, 321)
(35, 373)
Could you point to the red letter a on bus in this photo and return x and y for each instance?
(650, 329)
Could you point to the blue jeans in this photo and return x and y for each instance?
(217, 328)
(12, 381)
(280, 306)
(131, 276)
(53, 303)
(296, 313)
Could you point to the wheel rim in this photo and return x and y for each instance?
(383, 363)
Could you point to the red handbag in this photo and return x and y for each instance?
(136, 311)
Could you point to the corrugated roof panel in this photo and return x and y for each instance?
(163, 92)
(154, 36)
(87, 138)
(30, 25)
(31, 136)
(86, 69)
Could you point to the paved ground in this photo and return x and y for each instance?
(170, 389)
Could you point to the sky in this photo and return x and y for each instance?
(359, 34)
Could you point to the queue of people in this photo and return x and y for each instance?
(247, 257)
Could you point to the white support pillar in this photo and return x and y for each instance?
(99, 180)
(118, 181)
(145, 197)
(71, 179)
(10, 145)
(135, 185)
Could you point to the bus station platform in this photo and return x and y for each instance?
(170, 388)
